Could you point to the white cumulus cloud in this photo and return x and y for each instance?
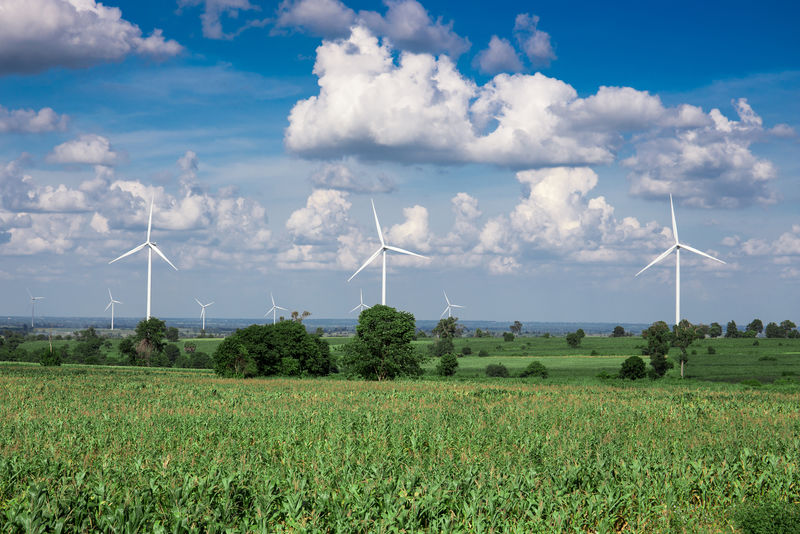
(325, 18)
(500, 56)
(31, 121)
(88, 149)
(534, 42)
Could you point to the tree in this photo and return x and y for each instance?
(440, 347)
(715, 330)
(298, 317)
(659, 338)
(756, 325)
(448, 327)
(683, 335)
(508, 336)
(516, 328)
(618, 331)
(172, 334)
(48, 357)
(171, 351)
(447, 365)
(148, 339)
(633, 368)
(381, 348)
(773, 330)
(535, 368)
(788, 328)
(574, 339)
(189, 347)
(731, 330)
(87, 349)
(702, 330)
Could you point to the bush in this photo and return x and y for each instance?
(447, 365)
(535, 368)
(508, 336)
(49, 359)
(593, 353)
(752, 382)
(441, 347)
(768, 518)
(755, 343)
(633, 368)
(483, 353)
(711, 350)
(768, 359)
(466, 350)
(497, 370)
(172, 352)
(289, 367)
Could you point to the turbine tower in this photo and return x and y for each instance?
(111, 303)
(450, 306)
(273, 308)
(677, 248)
(33, 304)
(361, 307)
(151, 246)
(203, 311)
(382, 250)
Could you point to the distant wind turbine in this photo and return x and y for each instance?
(361, 306)
(151, 246)
(382, 250)
(677, 248)
(203, 311)
(450, 306)
(111, 303)
(273, 308)
(33, 304)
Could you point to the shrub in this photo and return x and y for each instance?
(171, 351)
(48, 358)
(535, 368)
(711, 350)
(752, 382)
(447, 365)
(497, 370)
(483, 353)
(289, 367)
(546, 335)
(755, 343)
(440, 347)
(508, 336)
(593, 353)
(768, 518)
(768, 359)
(633, 368)
(466, 350)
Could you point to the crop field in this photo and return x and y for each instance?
(129, 449)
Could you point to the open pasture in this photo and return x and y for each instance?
(126, 449)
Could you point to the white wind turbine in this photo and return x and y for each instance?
(151, 246)
(361, 306)
(677, 248)
(203, 311)
(382, 250)
(450, 306)
(111, 303)
(33, 304)
(273, 308)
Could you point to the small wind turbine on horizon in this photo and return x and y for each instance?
(111, 303)
(151, 246)
(361, 307)
(450, 306)
(382, 250)
(33, 304)
(203, 311)
(273, 308)
(677, 248)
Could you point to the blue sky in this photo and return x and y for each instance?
(528, 149)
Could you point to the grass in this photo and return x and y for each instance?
(87, 448)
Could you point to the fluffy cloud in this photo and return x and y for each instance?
(500, 56)
(36, 35)
(88, 149)
(214, 10)
(30, 121)
(409, 27)
(534, 42)
(326, 18)
(413, 232)
(19, 192)
(708, 165)
(787, 244)
(342, 176)
(324, 217)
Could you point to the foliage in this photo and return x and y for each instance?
(714, 330)
(711, 350)
(447, 365)
(259, 350)
(448, 328)
(189, 347)
(619, 331)
(658, 338)
(381, 348)
(483, 353)
(298, 317)
(497, 370)
(574, 339)
(773, 517)
(148, 340)
(87, 350)
(731, 330)
(756, 325)
(172, 334)
(466, 350)
(508, 336)
(49, 358)
(516, 328)
(633, 368)
(535, 369)
(171, 352)
(482, 333)
(787, 329)
(683, 335)
(441, 346)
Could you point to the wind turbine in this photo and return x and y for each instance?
(111, 303)
(273, 308)
(151, 246)
(361, 306)
(33, 304)
(450, 306)
(677, 248)
(382, 250)
(203, 311)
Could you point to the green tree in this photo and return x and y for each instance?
(448, 327)
(440, 347)
(618, 331)
(508, 336)
(731, 330)
(87, 349)
(148, 340)
(633, 368)
(788, 328)
(381, 348)
(715, 330)
(773, 330)
(756, 325)
(535, 368)
(574, 339)
(171, 351)
(172, 334)
(447, 365)
(49, 357)
(659, 339)
(516, 328)
(189, 347)
(684, 335)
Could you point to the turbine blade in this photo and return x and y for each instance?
(197, 301)
(658, 259)
(377, 224)
(445, 297)
(445, 311)
(456, 306)
(150, 220)
(272, 299)
(109, 294)
(674, 224)
(209, 304)
(371, 258)
(269, 311)
(690, 249)
(158, 251)
(132, 251)
(279, 308)
(29, 292)
(354, 309)
(404, 251)
(109, 305)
